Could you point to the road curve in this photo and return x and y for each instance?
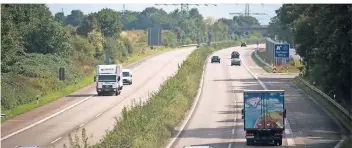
(217, 122)
(97, 113)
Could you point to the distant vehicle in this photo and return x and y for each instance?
(126, 76)
(264, 116)
(235, 54)
(198, 45)
(215, 59)
(108, 79)
(243, 44)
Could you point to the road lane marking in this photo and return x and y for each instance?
(290, 141)
(56, 140)
(229, 145)
(98, 115)
(45, 119)
(81, 125)
(112, 106)
(233, 131)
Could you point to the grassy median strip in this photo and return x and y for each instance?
(152, 123)
(72, 88)
(334, 112)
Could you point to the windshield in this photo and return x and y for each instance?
(107, 78)
(235, 56)
(125, 74)
(215, 57)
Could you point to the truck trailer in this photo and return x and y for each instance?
(108, 79)
(264, 116)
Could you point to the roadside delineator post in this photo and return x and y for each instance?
(37, 99)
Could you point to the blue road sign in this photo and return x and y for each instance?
(282, 51)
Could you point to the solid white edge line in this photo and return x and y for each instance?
(290, 141)
(98, 115)
(59, 112)
(45, 119)
(81, 125)
(171, 142)
(56, 140)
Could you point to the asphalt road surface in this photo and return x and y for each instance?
(217, 122)
(97, 113)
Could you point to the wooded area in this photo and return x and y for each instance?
(322, 35)
(35, 43)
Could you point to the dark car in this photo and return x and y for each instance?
(215, 59)
(235, 54)
(243, 44)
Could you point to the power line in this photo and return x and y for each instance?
(185, 7)
(247, 12)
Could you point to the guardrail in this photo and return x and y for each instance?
(260, 59)
(337, 105)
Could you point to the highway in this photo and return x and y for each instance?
(49, 126)
(216, 120)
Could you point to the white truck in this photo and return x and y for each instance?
(127, 76)
(108, 79)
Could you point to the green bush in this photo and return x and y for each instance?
(150, 124)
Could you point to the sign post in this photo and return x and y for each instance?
(257, 45)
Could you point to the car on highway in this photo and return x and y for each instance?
(243, 44)
(235, 54)
(126, 76)
(215, 59)
(236, 61)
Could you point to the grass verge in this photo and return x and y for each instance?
(332, 110)
(54, 95)
(286, 68)
(152, 123)
(266, 68)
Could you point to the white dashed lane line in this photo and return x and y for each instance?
(56, 140)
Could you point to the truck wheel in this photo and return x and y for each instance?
(131, 83)
(99, 94)
(249, 142)
(279, 142)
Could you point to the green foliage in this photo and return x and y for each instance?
(170, 39)
(323, 40)
(75, 18)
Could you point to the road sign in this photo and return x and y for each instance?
(282, 50)
(257, 42)
(154, 36)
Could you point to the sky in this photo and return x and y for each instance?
(219, 11)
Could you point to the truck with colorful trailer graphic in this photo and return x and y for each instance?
(264, 116)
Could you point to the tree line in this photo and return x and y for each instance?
(322, 35)
(36, 43)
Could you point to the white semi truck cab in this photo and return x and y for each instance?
(108, 79)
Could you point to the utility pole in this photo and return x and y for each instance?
(185, 7)
(123, 14)
(247, 12)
